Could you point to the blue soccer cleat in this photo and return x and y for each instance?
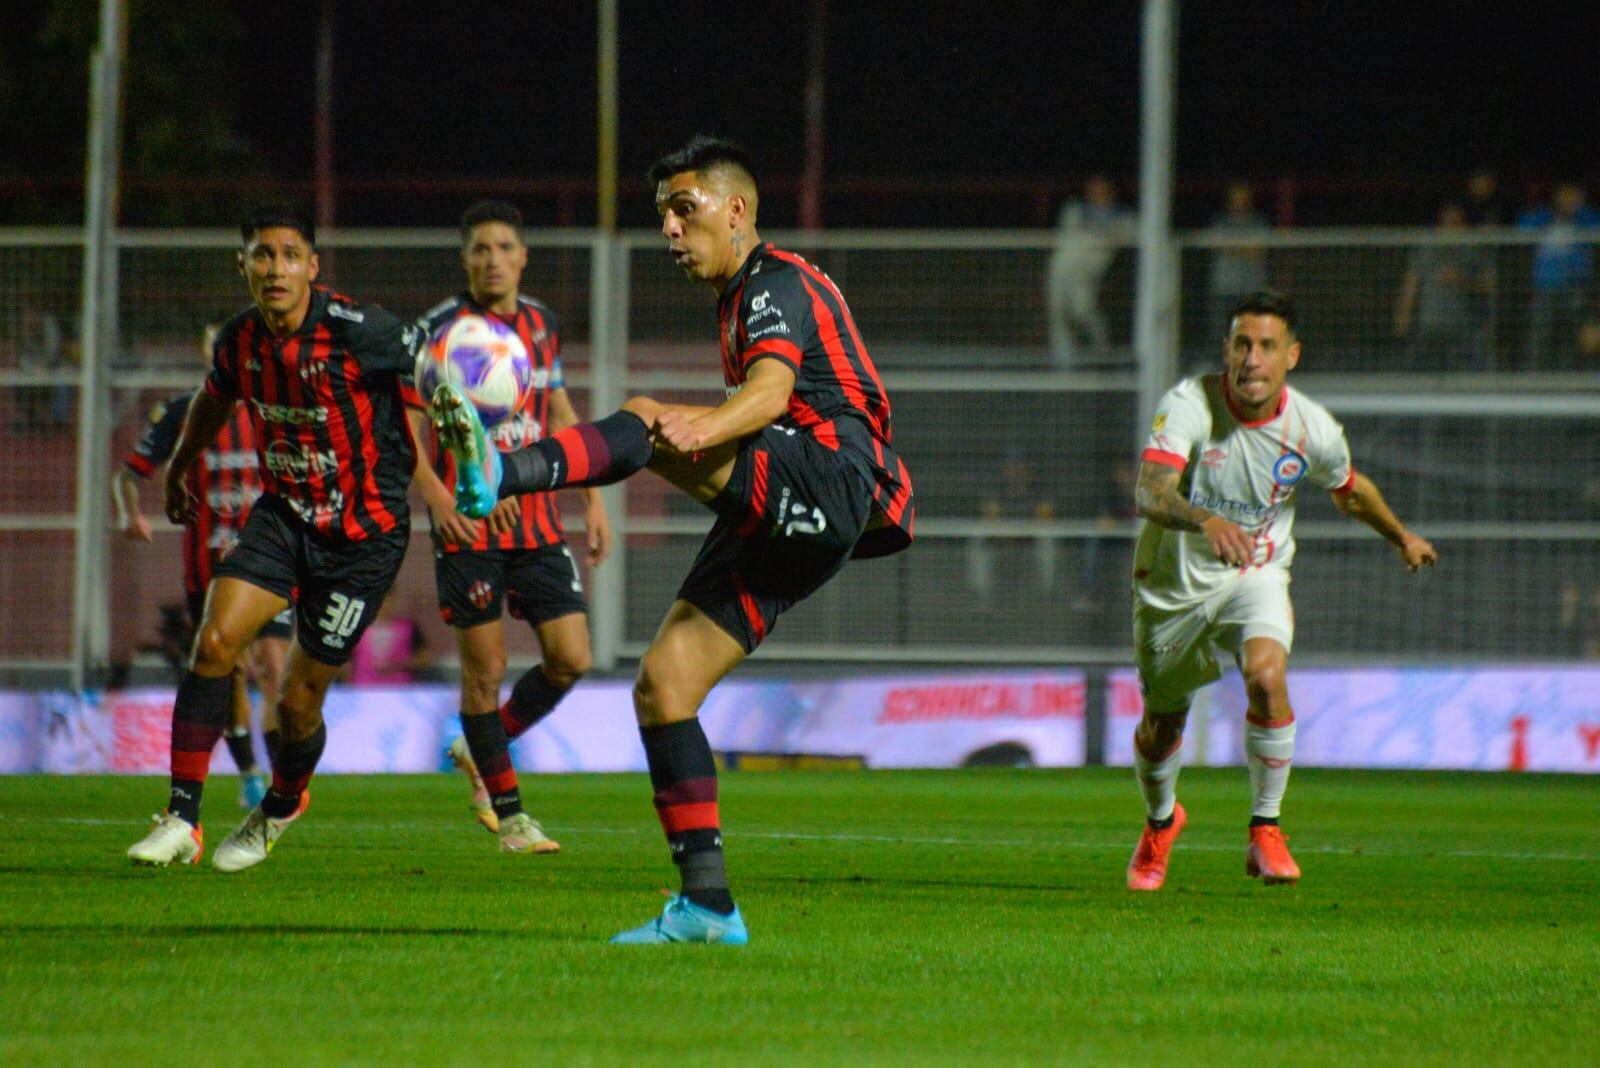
(252, 788)
(684, 921)
(477, 460)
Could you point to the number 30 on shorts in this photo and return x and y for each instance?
(342, 619)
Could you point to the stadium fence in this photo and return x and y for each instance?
(1482, 436)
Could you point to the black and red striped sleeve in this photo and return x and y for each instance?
(379, 340)
(160, 436)
(777, 319)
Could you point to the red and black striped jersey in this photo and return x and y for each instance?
(535, 324)
(225, 482)
(780, 307)
(330, 425)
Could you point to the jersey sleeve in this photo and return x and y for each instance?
(1328, 462)
(380, 341)
(223, 380)
(778, 320)
(1181, 421)
(159, 438)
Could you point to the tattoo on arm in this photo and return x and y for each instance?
(1158, 500)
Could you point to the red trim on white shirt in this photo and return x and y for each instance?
(1348, 485)
(1227, 396)
(1168, 459)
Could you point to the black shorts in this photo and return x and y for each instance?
(336, 586)
(537, 585)
(281, 626)
(786, 523)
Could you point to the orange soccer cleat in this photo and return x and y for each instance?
(1268, 856)
(1147, 869)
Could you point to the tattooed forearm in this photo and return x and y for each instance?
(1157, 498)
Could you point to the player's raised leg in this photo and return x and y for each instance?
(234, 612)
(1269, 748)
(587, 454)
(688, 656)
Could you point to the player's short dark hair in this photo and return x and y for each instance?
(1266, 302)
(267, 216)
(490, 211)
(702, 153)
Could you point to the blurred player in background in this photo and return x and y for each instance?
(796, 464)
(1216, 489)
(224, 483)
(518, 556)
(320, 377)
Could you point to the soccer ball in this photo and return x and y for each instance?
(485, 359)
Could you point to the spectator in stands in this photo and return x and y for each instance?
(1484, 205)
(392, 652)
(1443, 302)
(42, 347)
(1116, 513)
(1088, 232)
(1235, 269)
(1563, 267)
(1016, 494)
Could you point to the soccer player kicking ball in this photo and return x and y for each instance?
(1216, 490)
(320, 376)
(796, 464)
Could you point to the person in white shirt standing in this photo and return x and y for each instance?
(1216, 489)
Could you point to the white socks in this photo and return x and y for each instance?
(1158, 780)
(1270, 752)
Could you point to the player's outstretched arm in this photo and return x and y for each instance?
(208, 414)
(1157, 499)
(762, 399)
(1363, 502)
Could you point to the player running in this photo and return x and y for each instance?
(224, 484)
(796, 465)
(320, 375)
(1216, 488)
(518, 556)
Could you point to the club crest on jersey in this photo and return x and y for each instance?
(313, 372)
(1289, 469)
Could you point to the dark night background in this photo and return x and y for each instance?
(990, 112)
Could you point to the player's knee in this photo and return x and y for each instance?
(1264, 677)
(1160, 731)
(565, 668)
(656, 691)
(645, 408)
(215, 652)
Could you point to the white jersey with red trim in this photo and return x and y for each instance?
(1246, 472)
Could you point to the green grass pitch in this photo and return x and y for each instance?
(896, 918)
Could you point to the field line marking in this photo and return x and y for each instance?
(895, 839)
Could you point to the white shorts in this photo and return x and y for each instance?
(1176, 651)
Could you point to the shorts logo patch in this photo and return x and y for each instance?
(1289, 469)
(480, 593)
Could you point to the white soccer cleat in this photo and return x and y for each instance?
(253, 839)
(522, 834)
(173, 838)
